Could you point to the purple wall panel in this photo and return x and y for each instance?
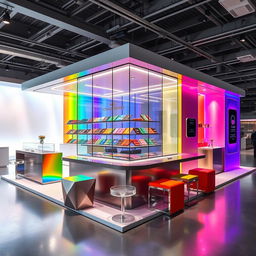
(232, 150)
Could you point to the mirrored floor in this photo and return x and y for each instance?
(221, 224)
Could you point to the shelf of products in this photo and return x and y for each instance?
(117, 118)
(128, 144)
(115, 131)
(135, 143)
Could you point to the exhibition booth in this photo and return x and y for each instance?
(135, 123)
(248, 125)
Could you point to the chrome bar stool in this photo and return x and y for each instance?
(123, 191)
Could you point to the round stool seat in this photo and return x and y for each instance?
(123, 191)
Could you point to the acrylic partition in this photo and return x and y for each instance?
(126, 112)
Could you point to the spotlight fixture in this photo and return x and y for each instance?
(242, 40)
(6, 17)
(7, 68)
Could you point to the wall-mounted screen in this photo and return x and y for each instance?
(232, 127)
(191, 127)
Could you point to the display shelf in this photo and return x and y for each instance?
(119, 134)
(118, 121)
(117, 146)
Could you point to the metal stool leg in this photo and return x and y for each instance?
(149, 197)
(169, 201)
(188, 189)
(197, 188)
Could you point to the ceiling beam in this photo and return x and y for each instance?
(163, 17)
(152, 10)
(156, 10)
(238, 76)
(41, 45)
(33, 55)
(125, 13)
(15, 76)
(59, 20)
(228, 30)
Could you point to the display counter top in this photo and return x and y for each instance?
(135, 164)
(209, 148)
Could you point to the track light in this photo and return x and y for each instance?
(7, 68)
(242, 39)
(6, 18)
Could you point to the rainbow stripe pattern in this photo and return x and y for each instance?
(52, 167)
(78, 178)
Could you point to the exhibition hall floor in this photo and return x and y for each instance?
(221, 224)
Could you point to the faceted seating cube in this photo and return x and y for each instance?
(78, 191)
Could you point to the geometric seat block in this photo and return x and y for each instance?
(78, 191)
(206, 179)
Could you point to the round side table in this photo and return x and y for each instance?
(123, 191)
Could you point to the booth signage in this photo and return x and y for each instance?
(232, 127)
(191, 127)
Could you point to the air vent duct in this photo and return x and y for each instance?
(238, 8)
(246, 56)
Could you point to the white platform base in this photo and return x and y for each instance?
(100, 212)
(224, 178)
(103, 213)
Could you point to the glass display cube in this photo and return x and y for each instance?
(126, 112)
(38, 147)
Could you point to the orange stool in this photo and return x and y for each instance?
(175, 191)
(206, 179)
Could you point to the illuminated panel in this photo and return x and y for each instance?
(70, 113)
(78, 178)
(232, 150)
(213, 106)
(201, 118)
(52, 167)
(189, 110)
(170, 117)
(180, 114)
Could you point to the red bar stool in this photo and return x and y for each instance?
(175, 190)
(206, 179)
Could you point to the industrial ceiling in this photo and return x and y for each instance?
(217, 37)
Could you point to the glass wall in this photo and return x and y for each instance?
(127, 113)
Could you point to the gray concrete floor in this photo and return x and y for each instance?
(223, 223)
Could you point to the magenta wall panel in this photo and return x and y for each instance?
(189, 110)
(232, 140)
(215, 116)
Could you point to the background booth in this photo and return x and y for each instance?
(247, 127)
